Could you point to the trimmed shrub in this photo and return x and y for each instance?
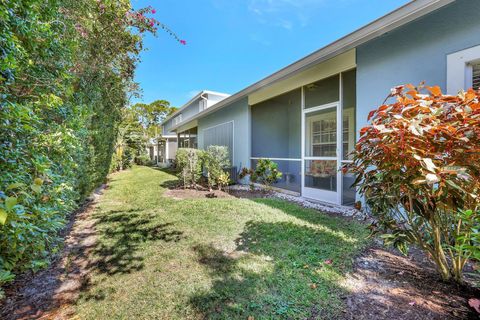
(418, 167)
(215, 161)
(189, 165)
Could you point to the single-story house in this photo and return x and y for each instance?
(307, 116)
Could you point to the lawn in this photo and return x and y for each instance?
(160, 258)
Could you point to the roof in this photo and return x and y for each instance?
(198, 95)
(395, 19)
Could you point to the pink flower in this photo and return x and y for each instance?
(183, 42)
(152, 23)
(154, 11)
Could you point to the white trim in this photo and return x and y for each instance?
(323, 106)
(233, 137)
(166, 150)
(459, 69)
(275, 159)
(302, 117)
(198, 95)
(319, 194)
(219, 125)
(339, 140)
(320, 158)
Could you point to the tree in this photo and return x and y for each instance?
(418, 168)
(151, 116)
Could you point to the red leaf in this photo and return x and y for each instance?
(475, 304)
(435, 90)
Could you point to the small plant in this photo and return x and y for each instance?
(215, 160)
(223, 180)
(189, 164)
(266, 172)
(418, 169)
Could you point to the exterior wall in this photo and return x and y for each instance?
(172, 148)
(276, 127)
(239, 113)
(213, 99)
(413, 53)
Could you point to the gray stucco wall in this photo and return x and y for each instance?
(414, 53)
(276, 127)
(239, 113)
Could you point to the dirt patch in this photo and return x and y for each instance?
(180, 193)
(50, 293)
(388, 285)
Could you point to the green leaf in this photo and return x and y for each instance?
(36, 188)
(3, 216)
(15, 185)
(10, 202)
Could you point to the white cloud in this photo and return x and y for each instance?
(285, 14)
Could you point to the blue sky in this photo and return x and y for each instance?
(233, 43)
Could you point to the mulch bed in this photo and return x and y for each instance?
(179, 193)
(388, 285)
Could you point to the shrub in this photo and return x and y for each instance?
(189, 165)
(215, 160)
(418, 167)
(223, 180)
(266, 172)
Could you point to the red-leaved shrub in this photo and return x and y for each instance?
(418, 169)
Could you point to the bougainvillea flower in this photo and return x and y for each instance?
(183, 42)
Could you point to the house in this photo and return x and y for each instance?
(307, 116)
(164, 151)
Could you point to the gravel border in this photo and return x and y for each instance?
(311, 204)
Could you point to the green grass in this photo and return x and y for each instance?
(159, 258)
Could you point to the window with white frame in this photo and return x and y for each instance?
(177, 119)
(476, 76)
(463, 70)
(202, 105)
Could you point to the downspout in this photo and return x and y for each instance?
(206, 101)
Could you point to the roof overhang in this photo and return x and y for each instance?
(198, 95)
(395, 19)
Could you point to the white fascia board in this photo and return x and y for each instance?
(192, 100)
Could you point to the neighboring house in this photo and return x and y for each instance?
(307, 116)
(185, 136)
(163, 151)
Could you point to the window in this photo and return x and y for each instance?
(177, 119)
(188, 138)
(476, 76)
(202, 105)
(463, 70)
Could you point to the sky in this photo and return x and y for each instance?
(234, 43)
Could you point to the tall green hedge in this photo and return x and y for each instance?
(66, 70)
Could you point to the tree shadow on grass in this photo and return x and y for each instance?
(277, 270)
(122, 233)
